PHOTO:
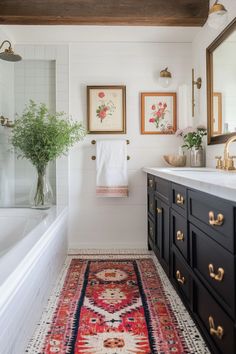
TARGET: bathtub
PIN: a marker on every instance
(33, 247)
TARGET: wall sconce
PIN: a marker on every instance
(165, 78)
(8, 53)
(217, 15)
(198, 83)
(5, 122)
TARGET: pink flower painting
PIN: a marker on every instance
(158, 116)
(105, 108)
(158, 112)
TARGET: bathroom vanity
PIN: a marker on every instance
(191, 229)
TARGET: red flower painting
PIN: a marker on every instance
(158, 116)
(105, 108)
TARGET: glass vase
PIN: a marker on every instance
(197, 158)
(41, 196)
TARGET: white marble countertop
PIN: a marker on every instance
(216, 182)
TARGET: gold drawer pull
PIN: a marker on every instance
(216, 222)
(220, 273)
(179, 278)
(179, 199)
(179, 236)
(150, 182)
(218, 332)
(159, 210)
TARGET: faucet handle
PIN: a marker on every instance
(219, 162)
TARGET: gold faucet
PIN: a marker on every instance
(6, 122)
(228, 161)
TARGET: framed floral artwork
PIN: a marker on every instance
(158, 113)
(106, 107)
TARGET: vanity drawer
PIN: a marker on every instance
(218, 327)
(150, 183)
(214, 216)
(163, 188)
(179, 198)
(181, 278)
(214, 266)
(179, 233)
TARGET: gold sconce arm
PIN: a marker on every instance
(6, 122)
(198, 83)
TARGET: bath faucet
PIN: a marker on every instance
(228, 161)
(6, 122)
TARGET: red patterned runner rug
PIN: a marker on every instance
(116, 306)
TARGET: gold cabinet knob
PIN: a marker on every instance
(179, 236)
(219, 162)
(218, 332)
(179, 277)
(179, 199)
(216, 276)
(159, 210)
(150, 183)
(218, 221)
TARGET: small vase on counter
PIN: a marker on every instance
(197, 157)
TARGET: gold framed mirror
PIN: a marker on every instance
(221, 86)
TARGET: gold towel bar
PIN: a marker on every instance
(94, 142)
(94, 157)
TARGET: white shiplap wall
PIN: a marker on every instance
(121, 222)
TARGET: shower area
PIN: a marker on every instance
(33, 243)
(21, 82)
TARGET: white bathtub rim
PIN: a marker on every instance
(11, 285)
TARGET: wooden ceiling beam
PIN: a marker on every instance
(104, 12)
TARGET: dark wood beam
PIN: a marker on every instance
(104, 12)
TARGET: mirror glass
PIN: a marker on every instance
(221, 86)
(224, 87)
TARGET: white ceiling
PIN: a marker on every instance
(69, 34)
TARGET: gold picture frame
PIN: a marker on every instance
(158, 113)
(106, 109)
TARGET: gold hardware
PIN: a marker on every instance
(179, 199)
(94, 157)
(217, 8)
(218, 332)
(219, 162)
(220, 273)
(198, 83)
(228, 161)
(179, 236)
(151, 205)
(179, 278)
(150, 182)
(159, 211)
(93, 142)
(6, 122)
(216, 222)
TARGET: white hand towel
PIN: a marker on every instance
(112, 176)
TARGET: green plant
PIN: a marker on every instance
(193, 138)
(41, 136)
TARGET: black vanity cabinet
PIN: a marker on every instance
(158, 219)
(193, 235)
